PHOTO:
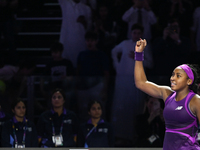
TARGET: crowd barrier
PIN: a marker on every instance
(86, 148)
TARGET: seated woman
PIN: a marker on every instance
(95, 132)
(57, 127)
(19, 132)
(150, 125)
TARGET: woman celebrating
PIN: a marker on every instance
(182, 105)
(96, 132)
(19, 132)
(58, 126)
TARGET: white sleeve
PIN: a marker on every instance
(115, 51)
(127, 15)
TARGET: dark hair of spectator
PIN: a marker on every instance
(15, 102)
(59, 90)
(94, 102)
(137, 26)
(91, 35)
(57, 47)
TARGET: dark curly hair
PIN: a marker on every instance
(195, 69)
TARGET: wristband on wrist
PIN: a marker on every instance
(139, 56)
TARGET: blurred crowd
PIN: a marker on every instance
(93, 60)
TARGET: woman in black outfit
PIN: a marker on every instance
(95, 132)
(19, 132)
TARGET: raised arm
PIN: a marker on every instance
(141, 81)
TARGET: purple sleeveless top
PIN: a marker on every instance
(181, 124)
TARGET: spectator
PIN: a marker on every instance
(170, 45)
(95, 132)
(16, 77)
(180, 9)
(57, 127)
(76, 21)
(58, 63)
(59, 68)
(7, 72)
(141, 13)
(19, 132)
(119, 7)
(127, 98)
(150, 125)
(93, 75)
(105, 26)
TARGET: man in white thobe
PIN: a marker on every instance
(128, 101)
(146, 17)
(76, 20)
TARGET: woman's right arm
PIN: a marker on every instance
(141, 81)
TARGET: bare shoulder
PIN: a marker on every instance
(166, 90)
(196, 98)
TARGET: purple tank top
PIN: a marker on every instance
(181, 124)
